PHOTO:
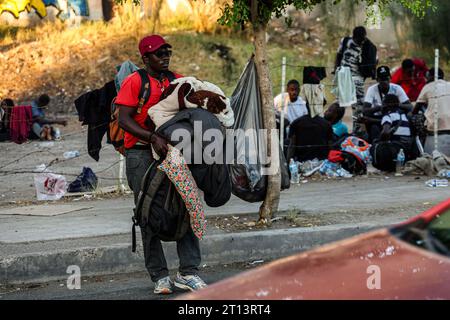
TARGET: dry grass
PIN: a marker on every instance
(66, 61)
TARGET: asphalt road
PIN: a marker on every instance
(136, 286)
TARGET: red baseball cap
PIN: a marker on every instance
(151, 44)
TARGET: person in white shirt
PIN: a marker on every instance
(373, 102)
(396, 126)
(293, 105)
(436, 94)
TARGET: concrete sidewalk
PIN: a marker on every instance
(97, 236)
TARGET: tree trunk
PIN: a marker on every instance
(270, 204)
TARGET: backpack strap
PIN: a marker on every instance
(381, 93)
(144, 93)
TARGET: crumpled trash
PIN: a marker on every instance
(331, 169)
(41, 168)
(86, 181)
(308, 168)
(47, 144)
(429, 165)
(49, 186)
(444, 173)
(71, 154)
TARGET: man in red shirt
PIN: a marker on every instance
(139, 137)
(411, 77)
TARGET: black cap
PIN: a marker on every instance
(383, 73)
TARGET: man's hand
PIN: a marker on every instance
(159, 144)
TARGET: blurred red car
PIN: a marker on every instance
(408, 261)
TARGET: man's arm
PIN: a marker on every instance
(386, 132)
(406, 106)
(127, 123)
(419, 106)
(369, 111)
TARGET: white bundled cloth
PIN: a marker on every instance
(199, 93)
(345, 90)
(166, 109)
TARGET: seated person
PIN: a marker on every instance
(334, 115)
(396, 126)
(5, 113)
(436, 94)
(294, 106)
(372, 108)
(309, 138)
(411, 77)
(42, 128)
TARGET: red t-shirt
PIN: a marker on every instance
(413, 86)
(128, 96)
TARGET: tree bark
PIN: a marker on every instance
(270, 204)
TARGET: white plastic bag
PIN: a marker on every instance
(49, 186)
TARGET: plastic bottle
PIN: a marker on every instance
(437, 183)
(329, 169)
(71, 154)
(57, 134)
(293, 168)
(400, 161)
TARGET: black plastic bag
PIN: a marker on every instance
(86, 181)
(248, 183)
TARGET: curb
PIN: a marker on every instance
(216, 249)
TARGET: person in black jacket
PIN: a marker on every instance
(310, 138)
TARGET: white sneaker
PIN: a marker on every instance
(163, 286)
(189, 282)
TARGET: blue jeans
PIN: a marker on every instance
(188, 247)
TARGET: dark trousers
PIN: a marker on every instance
(188, 247)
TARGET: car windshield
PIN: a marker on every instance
(439, 228)
(433, 236)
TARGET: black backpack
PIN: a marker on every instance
(353, 164)
(384, 155)
(160, 207)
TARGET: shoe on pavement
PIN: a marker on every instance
(189, 282)
(163, 286)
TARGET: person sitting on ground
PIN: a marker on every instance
(42, 128)
(372, 112)
(5, 112)
(411, 77)
(396, 125)
(294, 106)
(310, 138)
(334, 115)
(436, 94)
